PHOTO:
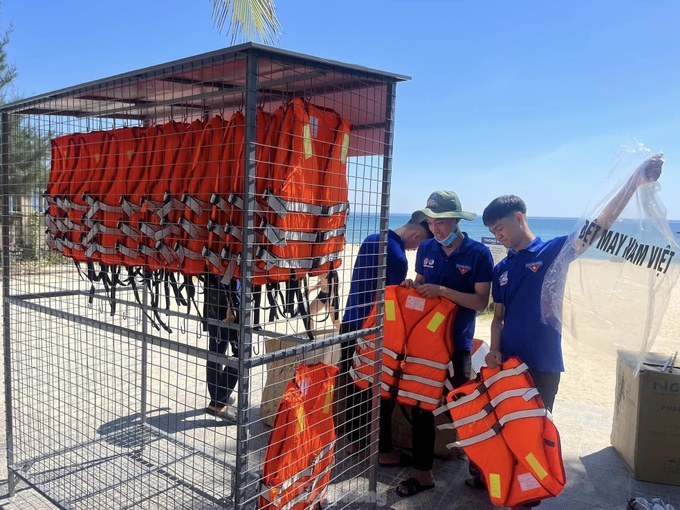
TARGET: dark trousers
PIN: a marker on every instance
(357, 404)
(422, 422)
(221, 378)
(547, 384)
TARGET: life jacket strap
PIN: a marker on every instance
(194, 231)
(418, 397)
(185, 253)
(54, 224)
(195, 204)
(74, 227)
(214, 227)
(128, 230)
(170, 203)
(151, 206)
(62, 203)
(166, 252)
(424, 380)
(149, 252)
(272, 261)
(428, 363)
(232, 230)
(213, 258)
(129, 208)
(127, 251)
(149, 229)
(167, 230)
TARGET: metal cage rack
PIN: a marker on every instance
(107, 359)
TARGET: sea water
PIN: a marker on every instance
(361, 225)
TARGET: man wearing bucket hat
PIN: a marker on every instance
(455, 267)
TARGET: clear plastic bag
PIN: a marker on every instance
(610, 286)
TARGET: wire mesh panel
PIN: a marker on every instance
(178, 250)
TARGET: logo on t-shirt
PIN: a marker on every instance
(534, 266)
(463, 269)
(428, 262)
(503, 279)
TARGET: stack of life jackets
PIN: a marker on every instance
(417, 348)
(171, 195)
(507, 432)
(300, 453)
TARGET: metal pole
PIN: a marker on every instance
(382, 272)
(7, 346)
(245, 322)
(145, 344)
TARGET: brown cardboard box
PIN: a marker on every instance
(646, 428)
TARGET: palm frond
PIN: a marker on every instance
(249, 20)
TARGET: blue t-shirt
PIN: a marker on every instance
(365, 275)
(471, 263)
(517, 283)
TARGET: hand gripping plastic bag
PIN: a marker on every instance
(611, 284)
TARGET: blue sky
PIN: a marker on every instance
(531, 98)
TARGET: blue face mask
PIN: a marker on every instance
(450, 239)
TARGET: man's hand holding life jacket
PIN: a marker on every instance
(409, 284)
(493, 359)
(430, 290)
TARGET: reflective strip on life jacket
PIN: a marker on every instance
(417, 348)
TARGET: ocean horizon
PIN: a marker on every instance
(361, 225)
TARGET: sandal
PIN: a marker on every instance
(412, 487)
(213, 411)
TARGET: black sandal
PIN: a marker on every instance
(412, 487)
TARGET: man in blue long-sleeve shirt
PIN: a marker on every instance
(359, 303)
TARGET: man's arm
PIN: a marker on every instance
(477, 300)
(649, 171)
(493, 358)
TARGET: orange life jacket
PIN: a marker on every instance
(300, 453)
(417, 348)
(508, 434)
(331, 147)
(208, 162)
(160, 165)
(89, 168)
(64, 156)
(169, 236)
(105, 211)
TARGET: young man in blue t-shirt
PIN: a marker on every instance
(517, 328)
(454, 267)
(359, 303)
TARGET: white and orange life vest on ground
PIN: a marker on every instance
(300, 453)
(417, 348)
(507, 432)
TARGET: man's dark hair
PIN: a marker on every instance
(422, 224)
(502, 207)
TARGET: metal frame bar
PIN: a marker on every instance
(246, 334)
(6, 330)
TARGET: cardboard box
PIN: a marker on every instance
(646, 428)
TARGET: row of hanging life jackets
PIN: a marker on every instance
(170, 196)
